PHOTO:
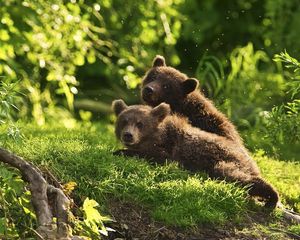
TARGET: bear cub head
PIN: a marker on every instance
(137, 122)
(165, 84)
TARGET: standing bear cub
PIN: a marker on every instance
(166, 84)
(155, 134)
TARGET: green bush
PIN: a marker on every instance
(9, 97)
(240, 86)
(53, 46)
(283, 122)
(42, 45)
(14, 203)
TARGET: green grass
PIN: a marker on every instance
(84, 154)
(285, 176)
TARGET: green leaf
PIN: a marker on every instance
(4, 36)
(93, 218)
(79, 59)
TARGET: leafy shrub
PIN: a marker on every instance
(8, 98)
(283, 122)
(16, 215)
(51, 45)
(277, 129)
(240, 86)
(247, 92)
(42, 45)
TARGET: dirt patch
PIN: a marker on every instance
(134, 222)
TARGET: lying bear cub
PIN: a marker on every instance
(154, 134)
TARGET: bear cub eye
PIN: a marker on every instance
(166, 86)
(140, 125)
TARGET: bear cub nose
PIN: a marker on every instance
(127, 137)
(147, 91)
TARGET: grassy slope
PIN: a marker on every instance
(285, 176)
(84, 155)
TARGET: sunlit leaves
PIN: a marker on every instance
(48, 40)
(283, 122)
(8, 97)
(93, 219)
(4, 35)
(69, 187)
(15, 208)
(239, 85)
(17, 218)
(289, 61)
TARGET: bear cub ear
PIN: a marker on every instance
(118, 106)
(189, 85)
(161, 111)
(159, 61)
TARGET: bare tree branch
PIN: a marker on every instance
(289, 215)
(47, 200)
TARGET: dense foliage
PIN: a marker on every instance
(95, 49)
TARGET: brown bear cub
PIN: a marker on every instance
(166, 84)
(155, 134)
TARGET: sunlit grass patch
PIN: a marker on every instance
(173, 196)
(295, 229)
(194, 201)
(285, 176)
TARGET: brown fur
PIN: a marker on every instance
(164, 136)
(166, 84)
